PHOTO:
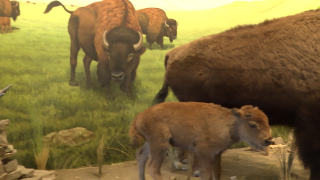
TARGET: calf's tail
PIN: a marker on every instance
(135, 137)
(163, 93)
(55, 4)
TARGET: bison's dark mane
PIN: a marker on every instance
(122, 34)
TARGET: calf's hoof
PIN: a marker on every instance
(73, 83)
(196, 173)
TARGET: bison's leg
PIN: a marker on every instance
(2, 30)
(10, 29)
(217, 166)
(104, 77)
(86, 63)
(159, 41)
(157, 156)
(308, 138)
(142, 155)
(74, 49)
(150, 40)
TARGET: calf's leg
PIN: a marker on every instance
(157, 154)
(142, 155)
(217, 166)
(206, 166)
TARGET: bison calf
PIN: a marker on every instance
(203, 128)
(5, 23)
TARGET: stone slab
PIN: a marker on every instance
(14, 175)
(11, 166)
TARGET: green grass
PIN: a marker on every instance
(35, 58)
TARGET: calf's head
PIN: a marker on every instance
(15, 10)
(124, 48)
(253, 126)
(170, 26)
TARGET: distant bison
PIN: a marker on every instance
(9, 9)
(113, 39)
(177, 124)
(155, 24)
(273, 65)
(5, 23)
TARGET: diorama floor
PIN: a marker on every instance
(243, 163)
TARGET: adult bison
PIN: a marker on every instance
(108, 32)
(155, 24)
(273, 65)
(9, 9)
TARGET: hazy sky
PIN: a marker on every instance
(167, 5)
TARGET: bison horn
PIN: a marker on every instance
(177, 23)
(165, 23)
(16, 4)
(104, 39)
(139, 44)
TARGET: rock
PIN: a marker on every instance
(8, 155)
(11, 166)
(14, 175)
(44, 174)
(173, 178)
(3, 124)
(26, 172)
(3, 139)
(4, 176)
(2, 151)
(278, 146)
(278, 140)
(9, 149)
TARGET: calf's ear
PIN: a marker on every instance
(236, 113)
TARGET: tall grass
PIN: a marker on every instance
(35, 58)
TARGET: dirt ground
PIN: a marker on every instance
(243, 163)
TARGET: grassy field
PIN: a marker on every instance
(35, 58)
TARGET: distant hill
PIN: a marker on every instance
(244, 12)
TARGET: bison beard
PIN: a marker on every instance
(273, 65)
(120, 41)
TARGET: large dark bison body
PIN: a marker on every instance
(155, 25)
(9, 9)
(274, 65)
(113, 39)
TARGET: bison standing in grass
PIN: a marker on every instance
(108, 32)
(274, 65)
(177, 124)
(155, 24)
(9, 9)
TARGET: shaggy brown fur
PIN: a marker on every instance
(274, 65)
(177, 124)
(9, 9)
(118, 52)
(153, 23)
(5, 23)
